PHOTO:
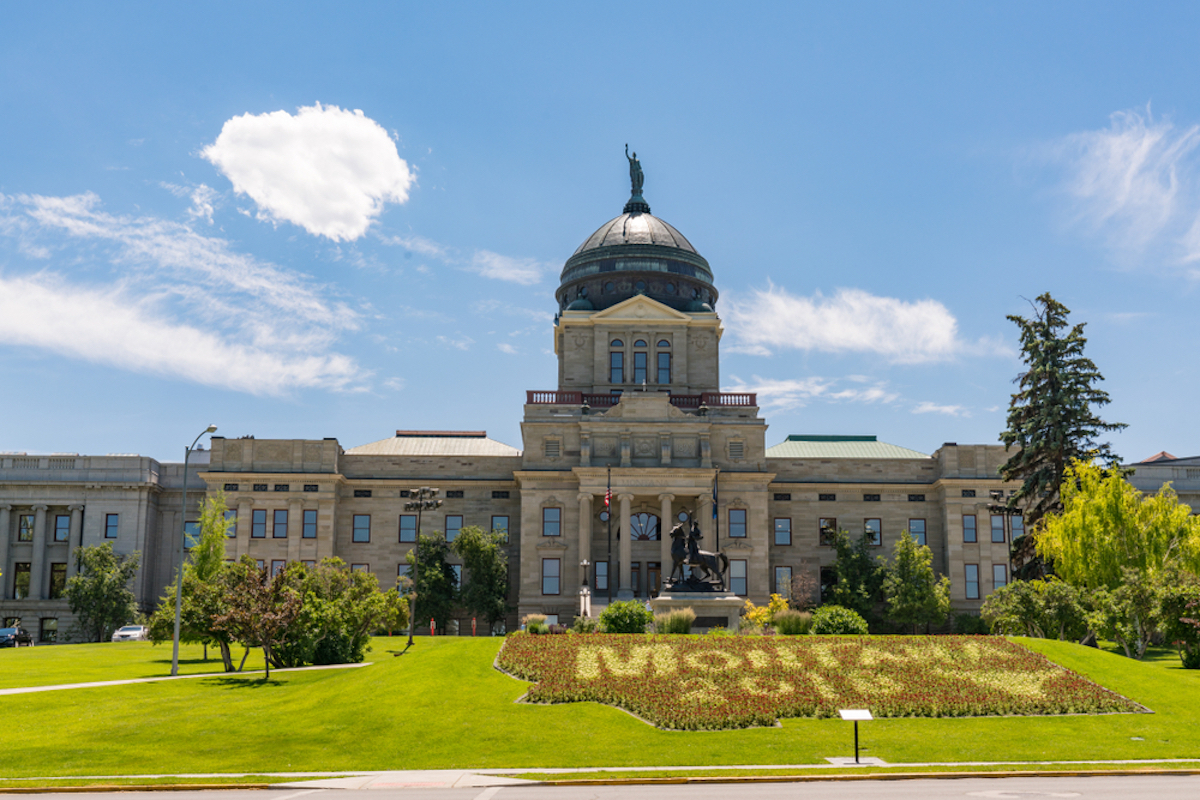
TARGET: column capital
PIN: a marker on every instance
(40, 507)
(626, 497)
(585, 497)
(666, 497)
(76, 507)
(6, 507)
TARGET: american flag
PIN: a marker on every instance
(608, 498)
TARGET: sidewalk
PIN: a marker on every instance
(60, 686)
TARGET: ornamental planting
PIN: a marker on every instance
(708, 683)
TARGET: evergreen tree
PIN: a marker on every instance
(1051, 420)
(915, 595)
(434, 586)
(485, 590)
(859, 575)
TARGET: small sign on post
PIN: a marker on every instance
(855, 714)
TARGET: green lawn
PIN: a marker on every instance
(443, 705)
(109, 661)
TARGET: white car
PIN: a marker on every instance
(131, 633)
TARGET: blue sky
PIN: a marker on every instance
(336, 220)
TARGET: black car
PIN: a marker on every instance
(15, 637)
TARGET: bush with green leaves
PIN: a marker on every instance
(1041, 609)
(585, 625)
(790, 622)
(968, 624)
(677, 620)
(626, 616)
(1179, 601)
(535, 624)
(833, 620)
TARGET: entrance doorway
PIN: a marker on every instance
(653, 577)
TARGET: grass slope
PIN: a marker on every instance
(109, 661)
(442, 705)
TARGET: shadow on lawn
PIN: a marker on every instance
(246, 682)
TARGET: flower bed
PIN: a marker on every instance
(708, 683)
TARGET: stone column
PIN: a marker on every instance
(585, 535)
(38, 561)
(245, 523)
(75, 539)
(704, 512)
(295, 528)
(625, 587)
(5, 534)
(664, 534)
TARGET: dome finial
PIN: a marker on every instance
(636, 203)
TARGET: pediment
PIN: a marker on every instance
(640, 307)
(645, 406)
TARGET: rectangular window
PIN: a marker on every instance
(968, 492)
(453, 526)
(737, 576)
(827, 528)
(457, 569)
(191, 534)
(916, 527)
(639, 368)
(1018, 526)
(783, 581)
(616, 367)
(999, 576)
(25, 528)
(360, 567)
(969, 532)
(260, 487)
(827, 498)
(916, 498)
(277, 566)
(112, 525)
(309, 529)
(664, 368)
(282, 487)
(408, 527)
(21, 575)
(828, 577)
(873, 529)
(258, 523)
(62, 527)
(870, 498)
(362, 528)
(49, 631)
(402, 575)
(259, 562)
(231, 523)
(997, 527)
(782, 497)
(500, 526)
(231, 487)
(972, 581)
(279, 524)
(310, 563)
(311, 487)
(362, 492)
(737, 523)
(58, 580)
(550, 574)
(499, 495)
(454, 494)
(783, 530)
(601, 576)
(551, 522)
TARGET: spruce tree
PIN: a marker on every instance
(1051, 419)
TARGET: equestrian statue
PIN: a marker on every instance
(687, 555)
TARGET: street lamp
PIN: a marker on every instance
(585, 593)
(422, 499)
(187, 453)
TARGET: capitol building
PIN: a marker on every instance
(636, 409)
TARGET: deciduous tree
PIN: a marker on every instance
(485, 589)
(260, 607)
(434, 583)
(915, 595)
(99, 595)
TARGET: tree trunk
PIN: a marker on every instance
(245, 655)
(226, 657)
(267, 661)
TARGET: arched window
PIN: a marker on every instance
(644, 528)
(640, 343)
(617, 343)
(663, 343)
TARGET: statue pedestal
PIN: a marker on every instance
(713, 609)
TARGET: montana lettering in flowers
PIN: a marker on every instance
(696, 683)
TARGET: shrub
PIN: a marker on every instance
(719, 631)
(557, 629)
(585, 625)
(968, 624)
(677, 620)
(626, 616)
(535, 624)
(837, 620)
(793, 623)
(763, 615)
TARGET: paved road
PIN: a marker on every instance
(1158, 787)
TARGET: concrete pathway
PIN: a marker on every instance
(60, 686)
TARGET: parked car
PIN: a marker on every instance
(131, 633)
(15, 637)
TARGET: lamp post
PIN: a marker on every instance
(187, 454)
(585, 593)
(422, 499)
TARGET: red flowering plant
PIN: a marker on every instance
(703, 683)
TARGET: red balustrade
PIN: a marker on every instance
(742, 399)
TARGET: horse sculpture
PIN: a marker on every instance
(686, 552)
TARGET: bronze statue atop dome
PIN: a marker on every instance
(636, 176)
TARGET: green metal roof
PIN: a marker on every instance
(819, 446)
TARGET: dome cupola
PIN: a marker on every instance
(636, 253)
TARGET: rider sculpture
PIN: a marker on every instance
(687, 556)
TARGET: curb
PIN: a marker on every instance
(133, 787)
(870, 776)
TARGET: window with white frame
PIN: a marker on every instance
(737, 576)
(551, 572)
(972, 581)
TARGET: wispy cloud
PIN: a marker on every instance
(326, 169)
(178, 293)
(851, 321)
(485, 263)
(1134, 185)
(927, 407)
(784, 394)
(459, 342)
(504, 347)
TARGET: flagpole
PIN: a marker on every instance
(716, 514)
(608, 508)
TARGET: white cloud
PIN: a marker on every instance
(927, 407)
(525, 271)
(460, 343)
(417, 244)
(851, 321)
(178, 292)
(1134, 185)
(781, 395)
(504, 347)
(325, 169)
